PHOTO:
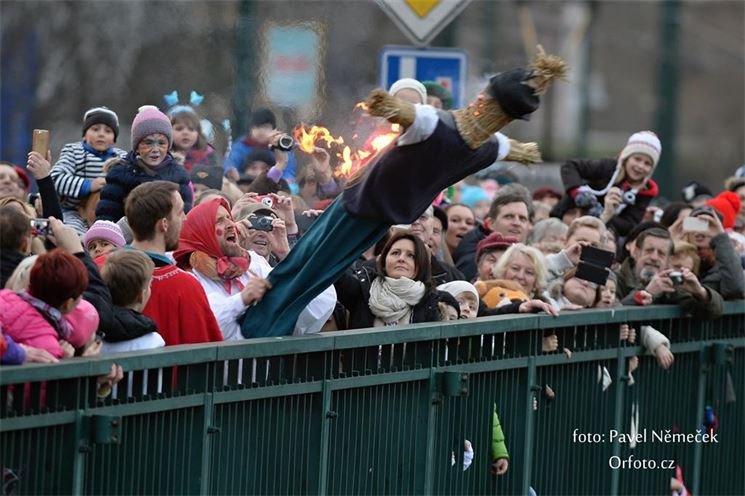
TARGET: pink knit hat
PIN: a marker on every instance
(107, 230)
(84, 322)
(150, 120)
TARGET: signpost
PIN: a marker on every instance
(422, 20)
(446, 66)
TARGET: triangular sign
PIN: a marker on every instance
(422, 20)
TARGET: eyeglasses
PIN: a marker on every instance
(152, 143)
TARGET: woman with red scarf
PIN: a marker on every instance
(232, 277)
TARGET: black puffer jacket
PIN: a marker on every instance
(353, 291)
(127, 324)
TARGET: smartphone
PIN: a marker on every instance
(694, 224)
(40, 142)
(40, 227)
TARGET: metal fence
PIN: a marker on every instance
(389, 411)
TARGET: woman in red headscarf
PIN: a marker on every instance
(232, 277)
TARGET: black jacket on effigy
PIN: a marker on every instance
(445, 158)
(128, 324)
(353, 291)
(465, 253)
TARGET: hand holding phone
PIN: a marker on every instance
(694, 224)
(40, 142)
(40, 227)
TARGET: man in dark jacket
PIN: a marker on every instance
(510, 214)
(644, 278)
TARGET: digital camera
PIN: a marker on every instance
(261, 223)
(285, 143)
(39, 227)
(676, 278)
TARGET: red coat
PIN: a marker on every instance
(180, 308)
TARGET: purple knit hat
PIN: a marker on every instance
(150, 120)
(107, 230)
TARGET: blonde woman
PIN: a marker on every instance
(519, 284)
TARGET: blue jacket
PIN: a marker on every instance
(242, 148)
(127, 175)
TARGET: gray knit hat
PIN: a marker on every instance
(150, 120)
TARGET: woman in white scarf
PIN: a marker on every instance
(399, 293)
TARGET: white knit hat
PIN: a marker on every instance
(645, 142)
(457, 287)
(412, 84)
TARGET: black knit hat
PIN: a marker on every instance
(516, 99)
(101, 115)
(263, 116)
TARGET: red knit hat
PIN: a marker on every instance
(728, 204)
(494, 241)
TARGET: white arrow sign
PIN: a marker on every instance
(422, 20)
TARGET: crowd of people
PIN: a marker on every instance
(171, 243)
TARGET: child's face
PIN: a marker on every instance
(682, 261)
(638, 166)
(98, 247)
(153, 149)
(262, 133)
(184, 136)
(607, 295)
(580, 292)
(100, 137)
(447, 312)
(469, 305)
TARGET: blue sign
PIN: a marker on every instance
(446, 66)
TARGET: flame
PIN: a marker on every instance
(350, 158)
(307, 138)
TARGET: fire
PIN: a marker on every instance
(307, 139)
(350, 158)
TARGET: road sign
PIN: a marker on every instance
(422, 20)
(446, 66)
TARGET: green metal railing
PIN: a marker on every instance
(387, 411)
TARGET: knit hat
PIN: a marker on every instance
(208, 175)
(150, 120)
(106, 230)
(694, 190)
(263, 116)
(457, 287)
(509, 95)
(494, 241)
(84, 321)
(123, 224)
(645, 142)
(410, 84)
(439, 91)
(728, 204)
(101, 115)
(471, 195)
(542, 193)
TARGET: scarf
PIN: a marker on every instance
(226, 270)
(198, 247)
(104, 155)
(391, 300)
(51, 314)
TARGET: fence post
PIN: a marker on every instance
(529, 426)
(618, 415)
(326, 418)
(433, 403)
(208, 431)
(703, 372)
(80, 451)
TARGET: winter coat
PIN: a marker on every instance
(25, 325)
(465, 253)
(628, 285)
(208, 157)
(127, 324)
(9, 260)
(353, 291)
(597, 174)
(128, 174)
(726, 275)
(97, 293)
